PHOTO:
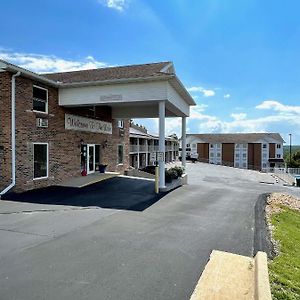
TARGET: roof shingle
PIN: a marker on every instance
(236, 137)
(110, 73)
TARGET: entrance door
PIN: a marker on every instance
(90, 159)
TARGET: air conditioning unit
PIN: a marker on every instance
(40, 122)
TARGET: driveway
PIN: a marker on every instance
(51, 251)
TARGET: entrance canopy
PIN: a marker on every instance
(131, 91)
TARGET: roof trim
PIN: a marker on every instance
(13, 68)
(115, 81)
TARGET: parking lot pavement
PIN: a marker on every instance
(76, 252)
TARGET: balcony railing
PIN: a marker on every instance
(151, 148)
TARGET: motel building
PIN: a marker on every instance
(257, 151)
(57, 126)
(142, 144)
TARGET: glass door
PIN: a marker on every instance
(90, 159)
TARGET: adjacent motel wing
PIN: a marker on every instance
(258, 151)
(60, 125)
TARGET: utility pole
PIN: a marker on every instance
(290, 149)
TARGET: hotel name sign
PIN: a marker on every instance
(73, 122)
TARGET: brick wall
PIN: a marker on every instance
(64, 145)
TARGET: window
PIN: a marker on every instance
(264, 146)
(211, 145)
(244, 155)
(245, 146)
(40, 160)
(218, 154)
(244, 165)
(120, 124)
(188, 145)
(237, 155)
(120, 154)
(194, 145)
(211, 154)
(237, 165)
(278, 155)
(265, 155)
(278, 146)
(40, 99)
(264, 165)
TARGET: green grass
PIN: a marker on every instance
(284, 270)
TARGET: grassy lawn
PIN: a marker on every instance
(285, 269)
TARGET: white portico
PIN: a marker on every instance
(138, 91)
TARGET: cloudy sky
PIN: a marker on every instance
(240, 60)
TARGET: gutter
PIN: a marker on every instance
(13, 133)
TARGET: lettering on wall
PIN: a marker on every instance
(73, 122)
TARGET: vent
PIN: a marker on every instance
(43, 123)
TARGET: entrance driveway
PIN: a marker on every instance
(80, 252)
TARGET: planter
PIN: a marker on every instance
(102, 168)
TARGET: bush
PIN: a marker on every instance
(173, 173)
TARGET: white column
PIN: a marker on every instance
(162, 142)
(147, 151)
(183, 141)
(138, 153)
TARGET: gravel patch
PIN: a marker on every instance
(274, 203)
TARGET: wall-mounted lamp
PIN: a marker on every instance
(81, 143)
(104, 144)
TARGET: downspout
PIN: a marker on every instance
(13, 134)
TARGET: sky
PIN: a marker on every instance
(240, 60)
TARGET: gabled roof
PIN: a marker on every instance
(237, 137)
(113, 73)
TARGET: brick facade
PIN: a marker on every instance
(64, 145)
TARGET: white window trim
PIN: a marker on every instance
(38, 111)
(45, 177)
(121, 122)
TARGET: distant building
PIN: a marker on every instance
(142, 144)
(257, 151)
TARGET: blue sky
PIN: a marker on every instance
(239, 59)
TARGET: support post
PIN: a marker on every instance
(162, 115)
(183, 142)
(138, 153)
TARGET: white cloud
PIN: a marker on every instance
(118, 5)
(199, 89)
(239, 116)
(277, 106)
(49, 63)
(227, 96)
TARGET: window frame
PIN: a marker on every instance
(41, 100)
(120, 124)
(47, 175)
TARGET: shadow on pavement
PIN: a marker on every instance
(114, 193)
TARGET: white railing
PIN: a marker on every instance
(150, 148)
(133, 148)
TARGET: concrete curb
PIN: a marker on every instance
(232, 276)
(262, 283)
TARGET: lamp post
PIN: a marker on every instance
(290, 150)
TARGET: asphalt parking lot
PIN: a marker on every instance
(80, 250)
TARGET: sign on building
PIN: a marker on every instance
(73, 122)
(153, 157)
(160, 156)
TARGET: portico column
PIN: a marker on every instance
(162, 147)
(138, 153)
(183, 141)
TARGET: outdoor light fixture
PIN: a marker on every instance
(104, 144)
(81, 143)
